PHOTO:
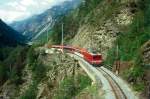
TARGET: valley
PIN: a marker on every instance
(78, 49)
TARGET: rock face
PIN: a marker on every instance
(58, 67)
(27, 78)
(146, 53)
(61, 67)
(103, 33)
(145, 50)
(8, 90)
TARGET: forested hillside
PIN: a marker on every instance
(12, 55)
(117, 29)
(8, 36)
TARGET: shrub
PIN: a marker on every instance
(12, 76)
(3, 75)
(39, 71)
(139, 86)
(11, 66)
(71, 86)
(31, 56)
(83, 81)
(31, 93)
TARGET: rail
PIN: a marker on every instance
(119, 94)
(113, 86)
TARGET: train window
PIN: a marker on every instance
(93, 51)
(97, 57)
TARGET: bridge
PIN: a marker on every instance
(113, 86)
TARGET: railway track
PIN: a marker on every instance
(118, 92)
(113, 86)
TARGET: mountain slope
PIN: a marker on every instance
(117, 29)
(33, 27)
(8, 36)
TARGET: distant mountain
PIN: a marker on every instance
(8, 36)
(35, 26)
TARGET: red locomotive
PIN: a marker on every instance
(94, 59)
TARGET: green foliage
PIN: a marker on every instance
(71, 86)
(93, 89)
(39, 71)
(130, 41)
(2, 73)
(42, 39)
(5, 52)
(31, 93)
(145, 7)
(110, 59)
(72, 21)
(13, 76)
(83, 81)
(12, 64)
(56, 35)
(67, 89)
(32, 57)
(137, 72)
(139, 86)
(88, 6)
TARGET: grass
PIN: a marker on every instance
(70, 86)
(31, 93)
(139, 86)
(90, 92)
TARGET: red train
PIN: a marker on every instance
(94, 59)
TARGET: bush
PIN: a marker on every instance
(70, 87)
(137, 72)
(12, 65)
(13, 76)
(39, 71)
(139, 86)
(67, 89)
(83, 81)
(5, 52)
(130, 41)
(3, 75)
(31, 93)
(31, 57)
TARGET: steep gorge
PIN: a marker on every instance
(116, 29)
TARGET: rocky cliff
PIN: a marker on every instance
(99, 32)
(117, 29)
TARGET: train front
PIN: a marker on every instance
(92, 57)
